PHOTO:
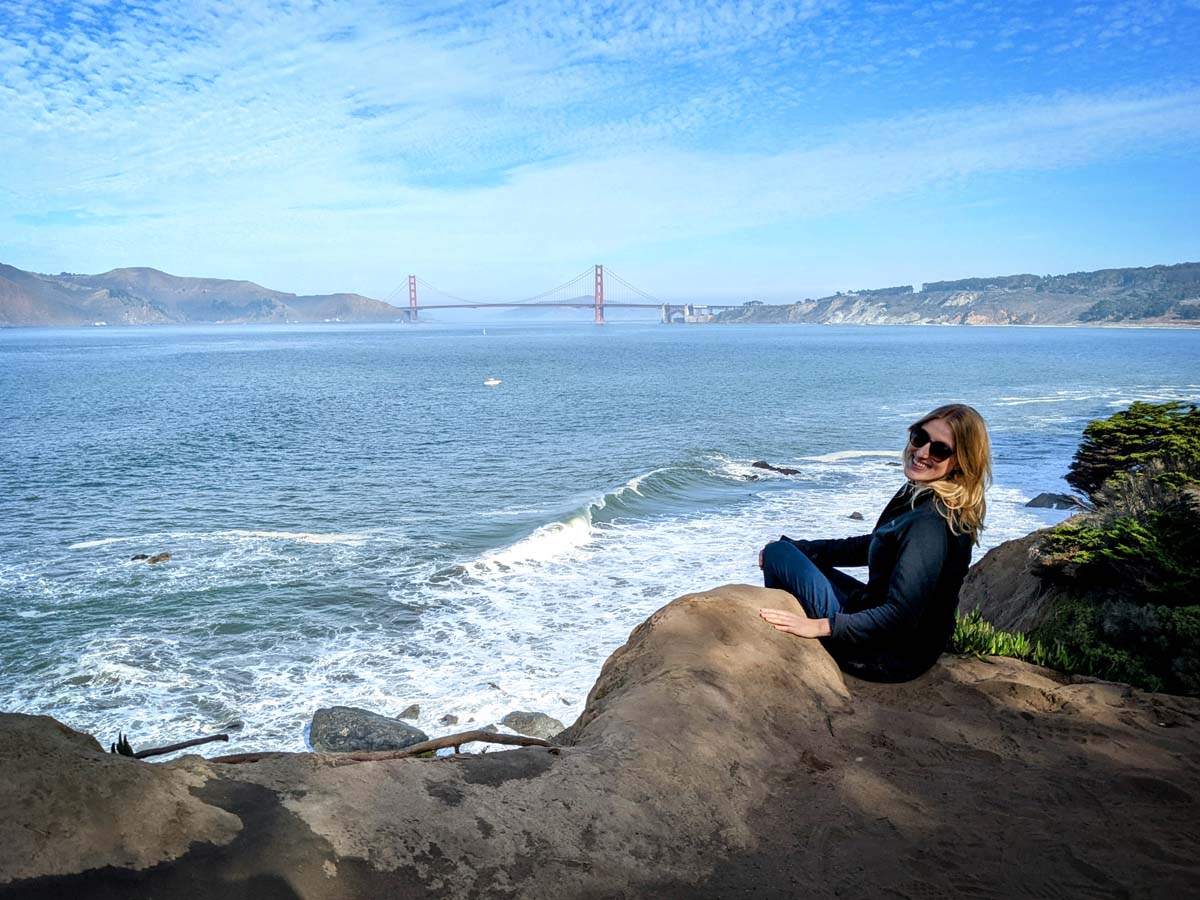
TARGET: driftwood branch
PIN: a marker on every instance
(171, 748)
(250, 757)
(449, 740)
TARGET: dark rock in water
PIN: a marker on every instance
(493, 686)
(856, 516)
(157, 558)
(534, 724)
(138, 557)
(782, 470)
(341, 729)
(448, 719)
(412, 711)
(1056, 501)
(896, 464)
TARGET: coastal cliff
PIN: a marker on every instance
(715, 757)
(1155, 295)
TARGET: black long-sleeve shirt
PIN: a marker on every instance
(896, 625)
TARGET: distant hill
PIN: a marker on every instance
(140, 296)
(1157, 295)
(150, 297)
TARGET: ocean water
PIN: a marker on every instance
(355, 518)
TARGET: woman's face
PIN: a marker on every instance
(920, 464)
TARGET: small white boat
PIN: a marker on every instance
(491, 382)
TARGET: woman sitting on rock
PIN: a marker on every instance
(894, 627)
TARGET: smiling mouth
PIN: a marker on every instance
(918, 464)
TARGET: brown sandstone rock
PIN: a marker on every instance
(1008, 587)
(67, 806)
(715, 757)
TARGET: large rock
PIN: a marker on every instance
(782, 470)
(534, 724)
(67, 806)
(342, 729)
(1008, 587)
(1056, 501)
(715, 757)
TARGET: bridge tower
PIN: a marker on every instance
(599, 295)
(412, 298)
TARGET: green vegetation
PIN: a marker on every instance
(977, 637)
(1152, 647)
(1122, 294)
(1124, 445)
(1124, 309)
(1150, 555)
(1128, 574)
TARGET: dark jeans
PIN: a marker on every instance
(822, 592)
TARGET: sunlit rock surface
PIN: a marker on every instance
(715, 758)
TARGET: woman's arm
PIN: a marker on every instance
(795, 623)
(851, 551)
(920, 556)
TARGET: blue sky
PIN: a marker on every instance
(710, 150)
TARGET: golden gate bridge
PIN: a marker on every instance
(593, 288)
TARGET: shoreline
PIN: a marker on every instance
(1177, 325)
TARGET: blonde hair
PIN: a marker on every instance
(960, 495)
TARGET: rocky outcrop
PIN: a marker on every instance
(70, 807)
(715, 757)
(1056, 501)
(342, 729)
(782, 470)
(1008, 585)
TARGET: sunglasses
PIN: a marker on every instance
(919, 437)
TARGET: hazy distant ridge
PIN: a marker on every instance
(1153, 295)
(141, 296)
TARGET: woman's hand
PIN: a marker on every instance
(795, 623)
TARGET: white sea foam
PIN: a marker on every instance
(300, 536)
(1112, 397)
(87, 545)
(724, 466)
(549, 542)
(851, 454)
(635, 483)
(304, 537)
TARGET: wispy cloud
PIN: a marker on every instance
(77, 218)
(253, 127)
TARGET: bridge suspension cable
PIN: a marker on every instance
(583, 278)
(425, 284)
(609, 273)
